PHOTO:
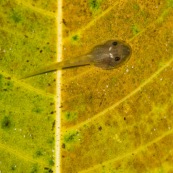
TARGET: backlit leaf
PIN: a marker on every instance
(118, 120)
(112, 120)
(27, 107)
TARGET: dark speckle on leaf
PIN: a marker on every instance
(9, 78)
(64, 22)
(53, 125)
(52, 112)
(63, 145)
(13, 167)
(6, 123)
(48, 169)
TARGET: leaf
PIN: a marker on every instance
(118, 120)
(27, 107)
(112, 121)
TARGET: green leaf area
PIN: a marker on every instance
(27, 107)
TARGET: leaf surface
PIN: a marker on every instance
(112, 121)
(118, 120)
(27, 107)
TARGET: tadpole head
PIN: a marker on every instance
(112, 54)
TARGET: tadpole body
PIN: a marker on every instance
(109, 55)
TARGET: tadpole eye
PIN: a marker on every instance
(117, 58)
(114, 43)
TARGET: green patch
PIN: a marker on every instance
(136, 7)
(34, 169)
(38, 153)
(37, 110)
(71, 137)
(163, 16)
(16, 16)
(135, 29)
(6, 123)
(70, 116)
(95, 5)
(51, 162)
(25, 118)
(113, 81)
(170, 3)
(51, 140)
(75, 38)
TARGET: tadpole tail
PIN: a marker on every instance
(51, 68)
(83, 61)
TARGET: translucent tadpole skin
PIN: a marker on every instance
(109, 55)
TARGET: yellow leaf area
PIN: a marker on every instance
(27, 107)
(118, 120)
